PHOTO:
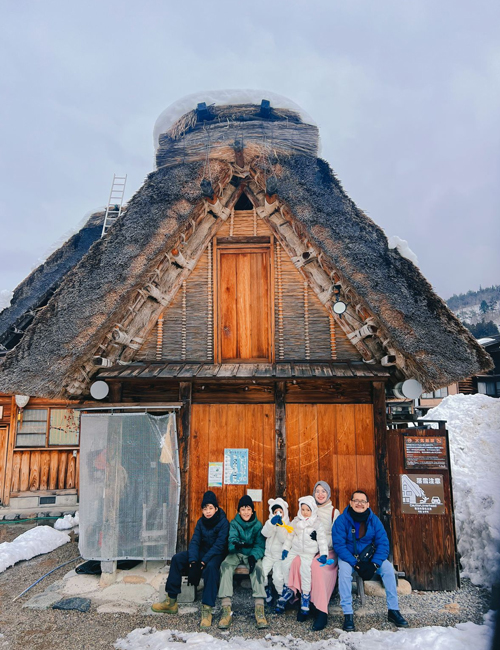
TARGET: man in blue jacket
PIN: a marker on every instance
(361, 543)
(207, 549)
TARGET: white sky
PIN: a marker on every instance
(406, 95)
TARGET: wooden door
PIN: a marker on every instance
(333, 443)
(244, 321)
(215, 427)
(4, 442)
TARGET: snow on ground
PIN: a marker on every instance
(67, 522)
(462, 637)
(473, 422)
(39, 540)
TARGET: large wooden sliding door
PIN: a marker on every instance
(334, 443)
(215, 427)
(244, 323)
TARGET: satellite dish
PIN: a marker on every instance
(411, 389)
(339, 307)
(99, 389)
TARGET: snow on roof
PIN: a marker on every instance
(485, 341)
(222, 98)
(403, 249)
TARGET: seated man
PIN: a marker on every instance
(360, 541)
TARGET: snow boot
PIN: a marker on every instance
(320, 622)
(301, 617)
(286, 595)
(394, 616)
(348, 623)
(269, 595)
(206, 617)
(260, 617)
(167, 606)
(226, 619)
(304, 603)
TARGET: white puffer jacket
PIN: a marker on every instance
(327, 515)
(300, 540)
(276, 535)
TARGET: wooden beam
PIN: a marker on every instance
(184, 437)
(382, 464)
(12, 432)
(280, 429)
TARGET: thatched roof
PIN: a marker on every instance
(34, 292)
(100, 291)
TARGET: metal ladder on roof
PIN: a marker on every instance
(115, 202)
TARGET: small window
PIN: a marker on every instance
(32, 429)
(64, 427)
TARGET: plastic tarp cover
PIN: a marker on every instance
(129, 486)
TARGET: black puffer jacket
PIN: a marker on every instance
(210, 540)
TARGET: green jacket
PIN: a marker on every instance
(247, 533)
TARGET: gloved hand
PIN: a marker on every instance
(322, 559)
(276, 520)
(238, 546)
(251, 563)
(366, 570)
(313, 536)
(194, 573)
(284, 553)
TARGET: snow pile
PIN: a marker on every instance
(403, 249)
(222, 98)
(67, 522)
(473, 422)
(39, 540)
(462, 637)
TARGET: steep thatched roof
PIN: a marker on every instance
(99, 291)
(34, 292)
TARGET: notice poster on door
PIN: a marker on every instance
(236, 466)
(215, 471)
(422, 494)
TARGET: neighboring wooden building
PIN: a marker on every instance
(243, 283)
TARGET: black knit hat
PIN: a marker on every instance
(246, 500)
(276, 507)
(209, 498)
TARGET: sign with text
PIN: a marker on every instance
(236, 466)
(422, 494)
(428, 451)
(215, 473)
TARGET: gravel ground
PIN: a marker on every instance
(49, 629)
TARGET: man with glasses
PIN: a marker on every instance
(360, 541)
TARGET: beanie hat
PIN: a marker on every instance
(275, 507)
(209, 498)
(325, 487)
(246, 500)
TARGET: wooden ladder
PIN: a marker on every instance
(115, 202)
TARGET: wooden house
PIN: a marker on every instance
(242, 284)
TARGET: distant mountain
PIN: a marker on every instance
(476, 309)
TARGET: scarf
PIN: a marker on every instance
(212, 522)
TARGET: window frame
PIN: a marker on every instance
(47, 445)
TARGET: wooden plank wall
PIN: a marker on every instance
(44, 470)
(333, 443)
(215, 427)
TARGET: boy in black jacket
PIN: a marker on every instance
(206, 550)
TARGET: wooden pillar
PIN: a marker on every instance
(280, 429)
(185, 392)
(115, 392)
(10, 451)
(380, 426)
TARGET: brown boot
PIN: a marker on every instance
(260, 618)
(226, 619)
(167, 606)
(206, 617)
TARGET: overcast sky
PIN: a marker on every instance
(406, 95)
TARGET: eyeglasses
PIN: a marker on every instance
(358, 502)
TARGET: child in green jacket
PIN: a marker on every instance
(246, 546)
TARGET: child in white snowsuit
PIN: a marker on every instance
(275, 535)
(308, 539)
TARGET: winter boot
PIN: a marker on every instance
(269, 595)
(260, 617)
(301, 617)
(348, 623)
(394, 616)
(206, 617)
(226, 619)
(320, 622)
(286, 595)
(167, 606)
(304, 603)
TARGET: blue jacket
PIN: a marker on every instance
(343, 543)
(208, 542)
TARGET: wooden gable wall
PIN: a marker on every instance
(303, 329)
